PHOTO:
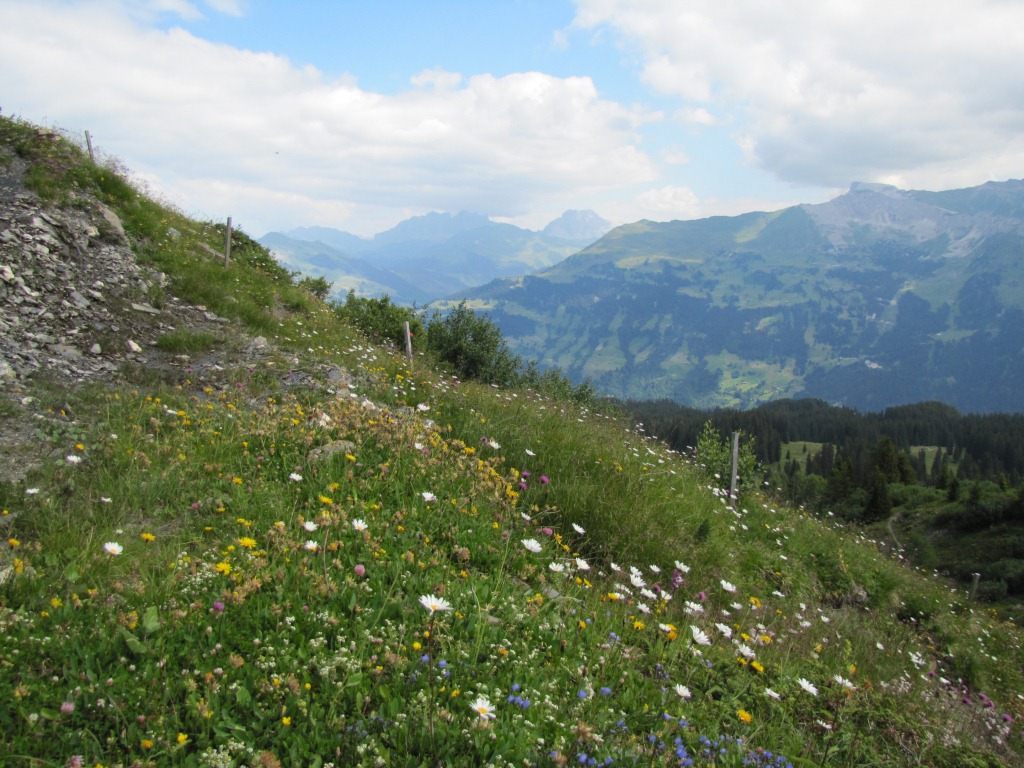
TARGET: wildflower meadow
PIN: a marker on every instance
(379, 564)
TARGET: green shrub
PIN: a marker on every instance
(318, 286)
(714, 456)
(473, 346)
(380, 319)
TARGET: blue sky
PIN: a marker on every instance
(357, 115)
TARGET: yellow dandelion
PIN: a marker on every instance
(223, 567)
(743, 715)
(147, 537)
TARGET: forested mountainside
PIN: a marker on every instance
(880, 297)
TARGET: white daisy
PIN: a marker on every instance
(113, 548)
(483, 708)
(433, 603)
(699, 637)
(807, 686)
(532, 544)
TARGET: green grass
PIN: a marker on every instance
(185, 341)
(250, 618)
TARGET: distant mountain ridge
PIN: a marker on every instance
(879, 297)
(431, 256)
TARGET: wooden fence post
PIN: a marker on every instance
(88, 143)
(734, 498)
(227, 243)
(408, 342)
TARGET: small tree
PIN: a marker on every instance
(473, 346)
(380, 319)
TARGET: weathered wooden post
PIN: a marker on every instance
(227, 243)
(408, 342)
(734, 498)
(88, 143)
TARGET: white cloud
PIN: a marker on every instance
(277, 145)
(670, 203)
(826, 93)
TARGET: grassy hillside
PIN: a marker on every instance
(321, 555)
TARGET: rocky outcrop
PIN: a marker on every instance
(74, 301)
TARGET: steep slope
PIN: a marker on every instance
(879, 297)
(310, 552)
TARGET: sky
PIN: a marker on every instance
(356, 114)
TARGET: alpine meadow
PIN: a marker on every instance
(241, 528)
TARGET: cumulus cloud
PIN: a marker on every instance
(258, 136)
(826, 93)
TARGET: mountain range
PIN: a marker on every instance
(432, 256)
(878, 297)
